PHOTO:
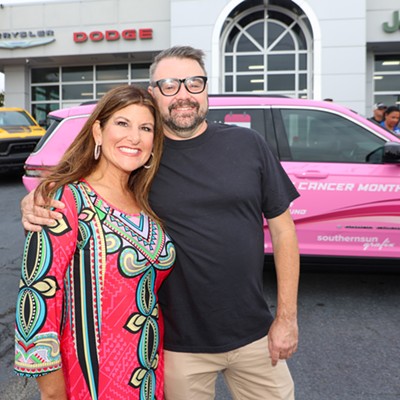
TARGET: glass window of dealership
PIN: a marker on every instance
(387, 79)
(58, 87)
(265, 49)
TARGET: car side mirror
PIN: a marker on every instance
(389, 153)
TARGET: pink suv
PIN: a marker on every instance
(346, 168)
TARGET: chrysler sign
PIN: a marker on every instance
(25, 39)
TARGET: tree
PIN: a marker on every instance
(1, 99)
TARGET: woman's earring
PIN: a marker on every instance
(149, 166)
(97, 150)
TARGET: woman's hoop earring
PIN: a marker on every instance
(149, 166)
(97, 150)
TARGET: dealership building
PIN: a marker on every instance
(61, 53)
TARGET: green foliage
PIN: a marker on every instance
(1, 99)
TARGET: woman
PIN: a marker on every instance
(391, 120)
(87, 319)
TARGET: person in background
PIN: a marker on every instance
(214, 185)
(391, 120)
(378, 113)
(87, 316)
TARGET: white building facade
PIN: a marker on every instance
(62, 53)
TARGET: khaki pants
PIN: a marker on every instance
(247, 372)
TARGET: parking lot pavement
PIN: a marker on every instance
(17, 388)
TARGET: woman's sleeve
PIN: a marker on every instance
(40, 302)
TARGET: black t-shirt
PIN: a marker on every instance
(211, 192)
(372, 119)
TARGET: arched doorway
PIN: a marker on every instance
(266, 47)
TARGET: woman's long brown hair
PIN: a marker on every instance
(78, 160)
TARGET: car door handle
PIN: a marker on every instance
(311, 175)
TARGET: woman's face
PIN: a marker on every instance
(126, 140)
(392, 119)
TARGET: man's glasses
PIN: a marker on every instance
(171, 86)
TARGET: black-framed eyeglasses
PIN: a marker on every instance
(171, 86)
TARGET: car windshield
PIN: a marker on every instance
(15, 118)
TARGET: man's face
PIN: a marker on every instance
(184, 113)
(379, 114)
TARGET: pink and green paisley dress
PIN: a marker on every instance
(87, 300)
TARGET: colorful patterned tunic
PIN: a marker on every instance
(88, 300)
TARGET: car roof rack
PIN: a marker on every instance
(87, 103)
(248, 95)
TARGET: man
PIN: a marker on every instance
(379, 113)
(214, 184)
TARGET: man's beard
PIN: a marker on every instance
(184, 125)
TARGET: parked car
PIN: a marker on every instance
(346, 168)
(19, 134)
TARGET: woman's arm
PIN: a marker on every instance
(40, 301)
(52, 386)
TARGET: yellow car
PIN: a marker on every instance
(19, 134)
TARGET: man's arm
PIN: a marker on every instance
(34, 215)
(283, 334)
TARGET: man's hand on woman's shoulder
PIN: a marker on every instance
(36, 215)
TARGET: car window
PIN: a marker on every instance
(53, 124)
(15, 118)
(248, 117)
(321, 136)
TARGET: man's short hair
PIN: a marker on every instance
(179, 52)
